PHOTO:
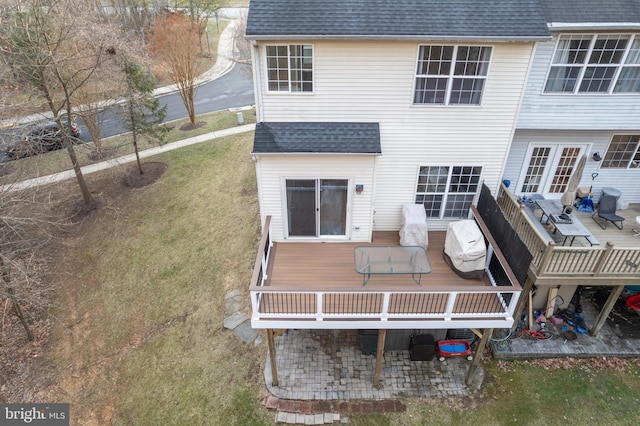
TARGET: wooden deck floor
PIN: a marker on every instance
(619, 237)
(330, 266)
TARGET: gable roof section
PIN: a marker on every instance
(397, 19)
(316, 138)
(591, 11)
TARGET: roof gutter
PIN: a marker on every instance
(494, 39)
(593, 26)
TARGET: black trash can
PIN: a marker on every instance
(422, 348)
(368, 341)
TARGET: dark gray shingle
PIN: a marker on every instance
(591, 11)
(397, 18)
(316, 138)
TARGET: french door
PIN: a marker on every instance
(548, 168)
(316, 207)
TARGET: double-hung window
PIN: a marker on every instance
(451, 75)
(589, 63)
(447, 192)
(623, 153)
(290, 68)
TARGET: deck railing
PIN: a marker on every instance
(357, 307)
(551, 261)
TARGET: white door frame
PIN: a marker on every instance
(550, 167)
(285, 216)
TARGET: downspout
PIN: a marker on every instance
(257, 78)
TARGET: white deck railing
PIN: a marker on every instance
(473, 307)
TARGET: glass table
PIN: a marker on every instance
(389, 260)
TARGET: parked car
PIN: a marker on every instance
(39, 139)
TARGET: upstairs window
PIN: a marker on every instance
(290, 68)
(451, 75)
(623, 153)
(447, 192)
(606, 63)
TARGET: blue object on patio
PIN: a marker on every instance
(607, 211)
(586, 205)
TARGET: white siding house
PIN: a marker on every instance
(374, 82)
(593, 108)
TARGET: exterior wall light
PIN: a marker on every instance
(597, 157)
(359, 189)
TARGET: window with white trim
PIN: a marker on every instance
(623, 153)
(590, 63)
(447, 192)
(290, 68)
(451, 75)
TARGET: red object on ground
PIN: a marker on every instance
(634, 302)
(453, 348)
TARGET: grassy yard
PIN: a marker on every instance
(58, 161)
(143, 283)
(139, 337)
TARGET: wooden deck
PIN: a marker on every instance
(327, 266)
(614, 262)
(315, 285)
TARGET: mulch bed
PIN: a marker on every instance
(152, 171)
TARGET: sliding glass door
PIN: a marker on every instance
(316, 207)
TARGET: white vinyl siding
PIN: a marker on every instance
(273, 171)
(625, 180)
(584, 111)
(374, 81)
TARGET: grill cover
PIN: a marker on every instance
(464, 249)
(413, 226)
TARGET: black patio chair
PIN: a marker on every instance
(607, 211)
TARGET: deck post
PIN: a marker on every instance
(526, 290)
(486, 334)
(272, 357)
(382, 335)
(606, 310)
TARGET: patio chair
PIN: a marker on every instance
(607, 211)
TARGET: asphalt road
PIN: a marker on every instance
(232, 90)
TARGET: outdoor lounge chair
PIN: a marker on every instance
(607, 211)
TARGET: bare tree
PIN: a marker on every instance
(50, 47)
(174, 41)
(200, 11)
(26, 226)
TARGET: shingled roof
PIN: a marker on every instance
(316, 138)
(378, 19)
(591, 11)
